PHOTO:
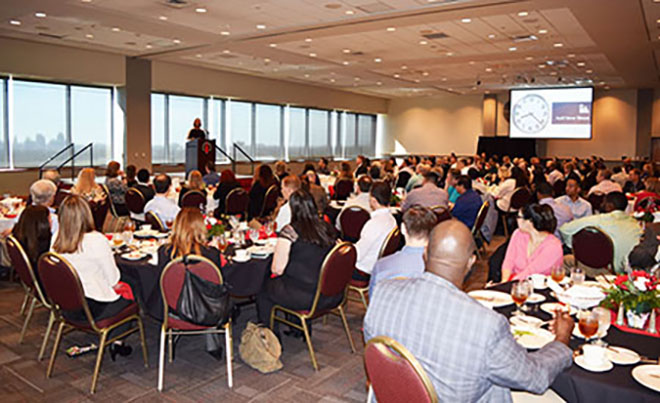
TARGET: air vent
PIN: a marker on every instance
(227, 56)
(436, 35)
(178, 4)
(52, 36)
(373, 8)
(357, 53)
(524, 38)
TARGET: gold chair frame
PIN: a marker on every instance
(476, 232)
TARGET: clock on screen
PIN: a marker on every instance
(531, 114)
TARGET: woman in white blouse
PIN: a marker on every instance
(509, 182)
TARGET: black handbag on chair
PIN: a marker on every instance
(203, 302)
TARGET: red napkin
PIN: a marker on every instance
(124, 290)
(223, 260)
(625, 328)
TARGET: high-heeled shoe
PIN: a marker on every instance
(123, 350)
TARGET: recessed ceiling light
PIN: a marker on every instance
(396, 76)
(425, 73)
(40, 15)
(488, 69)
(417, 81)
(471, 62)
(466, 20)
(312, 55)
(200, 10)
(306, 76)
(162, 18)
(444, 78)
(589, 71)
(570, 55)
(177, 41)
(332, 80)
(602, 83)
(404, 67)
(658, 20)
(558, 45)
(14, 22)
(513, 49)
(491, 36)
(450, 53)
(225, 33)
(350, 12)
(226, 51)
(199, 55)
(346, 51)
(261, 26)
(345, 63)
(607, 87)
(379, 83)
(543, 31)
(581, 64)
(553, 73)
(356, 78)
(266, 60)
(391, 29)
(115, 29)
(378, 60)
(523, 14)
(528, 58)
(273, 45)
(86, 1)
(149, 46)
(89, 36)
(422, 42)
(308, 40)
(541, 66)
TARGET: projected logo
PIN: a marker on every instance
(571, 113)
(531, 114)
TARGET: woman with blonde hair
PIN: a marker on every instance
(195, 182)
(87, 187)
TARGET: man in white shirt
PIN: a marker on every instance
(361, 198)
(290, 184)
(165, 208)
(42, 193)
(375, 231)
(555, 173)
(604, 183)
(578, 206)
(620, 175)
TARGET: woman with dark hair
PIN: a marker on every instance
(262, 181)
(227, 183)
(33, 233)
(116, 187)
(299, 253)
(533, 248)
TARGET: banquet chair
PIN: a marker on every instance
(112, 209)
(63, 287)
(343, 189)
(152, 219)
(520, 197)
(194, 198)
(237, 202)
(135, 201)
(476, 229)
(335, 274)
(351, 221)
(596, 201)
(99, 212)
(441, 213)
(402, 179)
(33, 292)
(594, 248)
(171, 283)
(60, 195)
(395, 374)
(361, 287)
(559, 187)
(270, 200)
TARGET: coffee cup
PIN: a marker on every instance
(145, 227)
(538, 280)
(242, 254)
(594, 355)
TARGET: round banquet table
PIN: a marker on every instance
(617, 385)
(245, 279)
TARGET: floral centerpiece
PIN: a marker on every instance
(395, 199)
(638, 293)
(645, 212)
(214, 228)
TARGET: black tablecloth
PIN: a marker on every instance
(245, 279)
(616, 385)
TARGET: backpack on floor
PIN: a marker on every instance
(260, 349)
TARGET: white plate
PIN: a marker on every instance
(133, 256)
(535, 298)
(532, 338)
(261, 241)
(525, 321)
(578, 334)
(622, 356)
(648, 375)
(491, 299)
(604, 367)
(551, 307)
(241, 260)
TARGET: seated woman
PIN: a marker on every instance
(87, 187)
(32, 231)
(195, 182)
(344, 172)
(263, 179)
(117, 187)
(649, 195)
(227, 183)
(533, 248)
(90, 254)
(299, 254)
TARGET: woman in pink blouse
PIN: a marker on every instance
(533, 248)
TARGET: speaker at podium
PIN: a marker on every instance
(198, 153)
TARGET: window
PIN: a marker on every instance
(91, 122)
(158, 143)
(297, 133)
(367, 134)
(241, 127)
(217, 123)
(182, 113)
(319, 133)
(39, 122)
(349, 135)
(4, 138)
(268, 126)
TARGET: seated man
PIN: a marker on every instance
(418, 178)
(143, 185)
(468, 203)
(42, 193)
(166, 209)
(578, 206)
(322, 166)
(604, 183)
(361, 198)
(375, 230)
(622, 228)
(635, 183)
(450, 184)
(290, 184)
(428, 195)
(562, 212)
(466, 349)
(210, 178)
(408, 262)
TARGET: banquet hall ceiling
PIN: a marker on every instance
(387, 48)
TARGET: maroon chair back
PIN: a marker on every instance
(343, 189)
(391, 244)
(395, 374)
(135, 201)
(152, 219)
(559, 187)
(171, 279)
(520, 198)
(337, 269)
(270, 200)
(351, 221)
(402, 179)
(20, 262)
(441, 214)
(481, 218)
(593, 247)
(60, 282)
(60, 195)
(193, 198)
(99, 211)
(237, 201)
(596, 201)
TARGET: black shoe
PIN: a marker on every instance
(123, 350)
(217, 353)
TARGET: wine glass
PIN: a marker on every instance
(270, 228)
(588, 323)
(577, 275)
(222, 243)
(520, 291)
(604, 322)
(234, 221)
(254, 234)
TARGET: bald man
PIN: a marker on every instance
(467, 350)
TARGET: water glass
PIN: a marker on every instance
(604, 322)
(254, 234)
(577, 275)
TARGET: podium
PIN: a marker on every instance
(198, 153)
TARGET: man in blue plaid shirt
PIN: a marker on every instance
(467, 350)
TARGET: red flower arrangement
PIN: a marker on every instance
(638, 291)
